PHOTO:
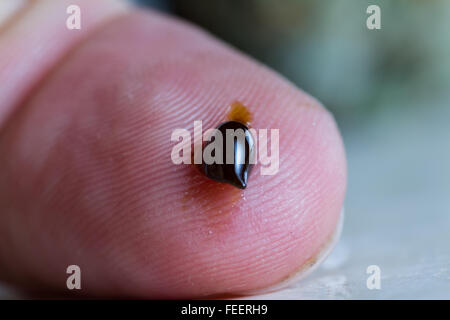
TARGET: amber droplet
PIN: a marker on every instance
(239, 112)
(237, 172)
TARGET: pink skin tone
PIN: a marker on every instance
(87, 177)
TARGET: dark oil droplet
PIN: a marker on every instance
(236, 171)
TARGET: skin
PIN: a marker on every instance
(85, 125)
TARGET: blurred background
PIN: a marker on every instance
(389, 90)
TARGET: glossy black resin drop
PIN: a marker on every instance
(237, 172)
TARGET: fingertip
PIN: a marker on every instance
(140, 224)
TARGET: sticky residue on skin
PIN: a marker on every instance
(204, 193)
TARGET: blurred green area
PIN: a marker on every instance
(325, 48)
